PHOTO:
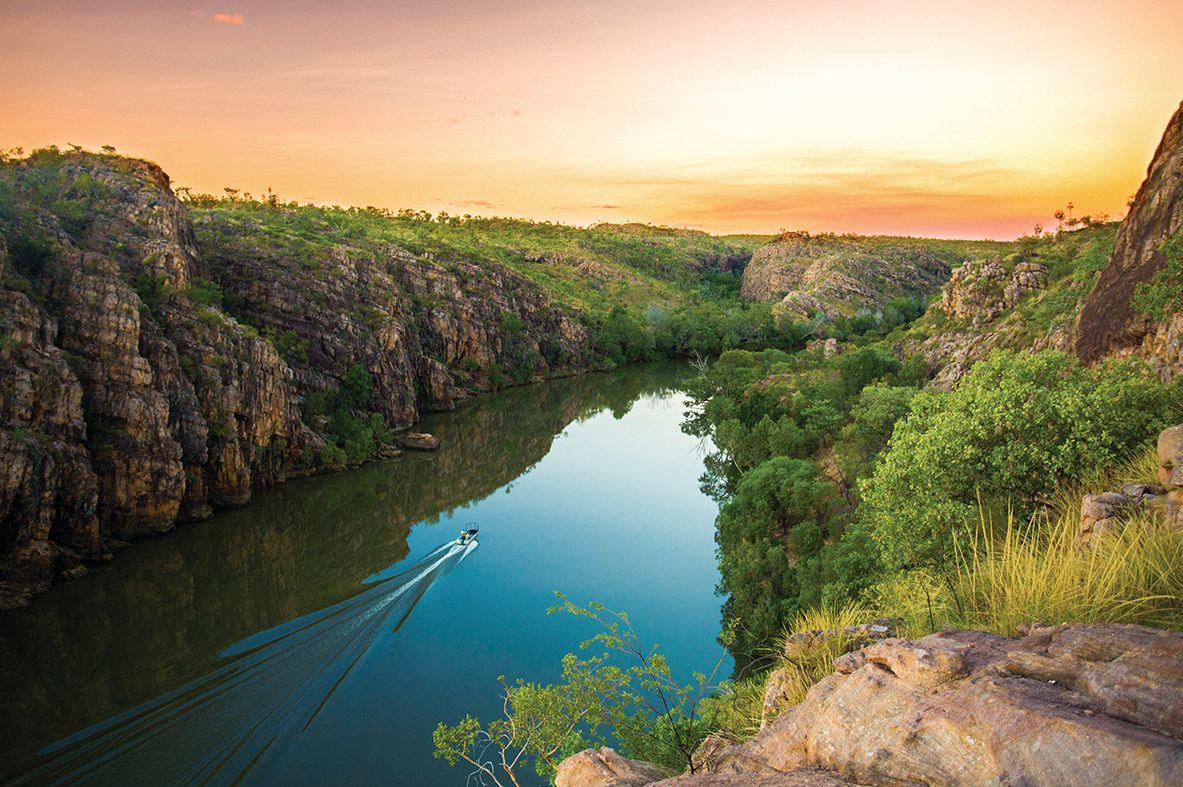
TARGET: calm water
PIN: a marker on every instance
(584, 485)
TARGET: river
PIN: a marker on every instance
(331, 620)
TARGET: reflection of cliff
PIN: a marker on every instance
(161, 612)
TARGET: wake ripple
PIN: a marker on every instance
(267, 691)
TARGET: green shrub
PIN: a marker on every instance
(1163, 294)
(203, 292)
(292, 347)
(872, 418)
(1016, 426)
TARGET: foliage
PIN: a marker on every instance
(736, 710)
(1162, 296)
(45, 179)
(292, 347)
(872, 418)
(641, 706)
(1015, 426)
(622, 338)
(769, 414)
(540, 724)
(353, 433)
(588, 270)
(203, 292)
(781, 502)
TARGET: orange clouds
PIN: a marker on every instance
(913, 117)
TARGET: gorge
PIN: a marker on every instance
(840, 435)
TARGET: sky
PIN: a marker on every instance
(952, 119)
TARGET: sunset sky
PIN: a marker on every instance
(972, 119)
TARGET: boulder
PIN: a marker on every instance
(603, 767)
(1070, 704)
(421, 441)
(1103, 513)
(1170, 473)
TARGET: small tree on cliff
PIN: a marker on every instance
(640, 707)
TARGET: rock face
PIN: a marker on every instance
(979, 291)
(1072, 704)
(140, 380)
(1170, 473)
(603, 767)
(1108, 323)
(835, 275)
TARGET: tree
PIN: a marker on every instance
(648, 712)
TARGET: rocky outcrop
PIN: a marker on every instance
(981, 290)
(1109, 511)
(837, 275)
(142, 376)
(1108, 322)
(421, 441)
(1170, 473)
(1070, 704)
(603, 767)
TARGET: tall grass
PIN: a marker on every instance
(1009, 576)
(734, 713)
(738, 712)
(803, 663)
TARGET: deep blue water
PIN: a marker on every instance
(585, 486)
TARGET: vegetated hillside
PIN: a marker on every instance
(1028, 299)
(160, 360)
(842, 275)
(585, 269)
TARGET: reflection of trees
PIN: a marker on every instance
(163, 610)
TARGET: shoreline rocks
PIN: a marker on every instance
(421, 441)
(1068, 704)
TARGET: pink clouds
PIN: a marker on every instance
(227, 19)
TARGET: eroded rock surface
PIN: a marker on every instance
(1070, 704)
(142, 378)
(603, 767)
(1170, 473)
(981, 290)
(835, 275)
(1108, 322)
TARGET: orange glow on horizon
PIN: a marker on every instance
(950, 119)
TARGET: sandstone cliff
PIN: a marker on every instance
(140, 380)
(1108, 322)
(836, 275)
(1080, 704)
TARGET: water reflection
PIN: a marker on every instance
(265, 692)
(161, 615)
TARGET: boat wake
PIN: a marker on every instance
(266, 692)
